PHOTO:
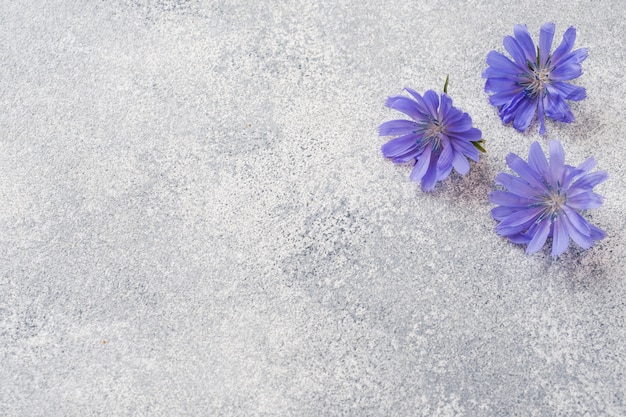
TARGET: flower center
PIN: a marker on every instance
(537, 80)
(554, 201)
(434, 129)
(431, 130)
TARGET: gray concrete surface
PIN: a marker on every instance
(196, 220)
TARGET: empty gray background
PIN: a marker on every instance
(195, 217)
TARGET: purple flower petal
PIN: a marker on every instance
(573, 173)
(421, 104)
(557, 109)
(501, 84)
(508, 111)
(506, 198)
(502, 64)
(409, 155)
(569, 37)
(537, 160)
(444, 106)
(500, 212)
(587, 165)
(588, 181)
(596, 234)
(525, 114)
(430, 177)
(525, 41)
(447, 154)
(582, 240)
(397, 127)
(515, 185)
(574, 58)
(398, 146)
(541, 115)
(460, 163)
(539, 237)
(442, 174)
(546, 34)
(566, 72)
(520, 166)
(506, 96)
(577, 221)
(567, 90)
(557, 161)
(421, 165)
(519, 221)
(453, 116)
(585, 201)
(466, 148)
(432, 102)
(406, 106)
(560, 237)
(513, 47)
(462, 125)
(521, 238)
(471, 135)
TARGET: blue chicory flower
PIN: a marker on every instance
(439, 137)
(545, 200)
(535, 81)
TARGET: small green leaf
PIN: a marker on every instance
(479, 145)
(445, 86)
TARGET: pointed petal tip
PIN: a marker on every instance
(427, 188)
(558, 250)
(530, 250)
(390, 100)
(542, 128)
(539, 237)
(511, 157)
(596, 233)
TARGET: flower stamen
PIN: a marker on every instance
(536, 81)
(431, 134)
(434, 129)
(554, 202)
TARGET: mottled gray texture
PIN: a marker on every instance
(195, 218)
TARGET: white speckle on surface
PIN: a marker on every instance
(195, 217)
